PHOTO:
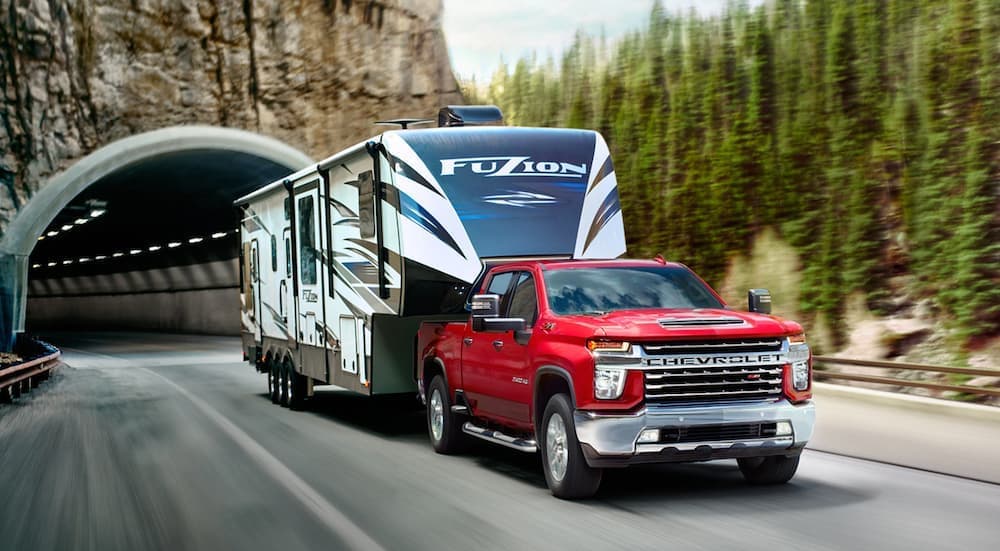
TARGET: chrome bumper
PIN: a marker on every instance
(612, 440)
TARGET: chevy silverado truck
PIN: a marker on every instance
(610, 363)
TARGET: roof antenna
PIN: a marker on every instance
(403, 123)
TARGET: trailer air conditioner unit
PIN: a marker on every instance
(470, 115)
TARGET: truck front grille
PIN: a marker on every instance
(700, 371)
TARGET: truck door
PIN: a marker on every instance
(310, 321)
(494, 365)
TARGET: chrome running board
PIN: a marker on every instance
(497, 437)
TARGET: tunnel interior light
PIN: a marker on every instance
(41, 237)
(100, 257)
(155, 248)
(52, 233)
(173, 244)
(117, 255)
(84, 259)
(65, 262)
(94, 213)
(67, 227)
(195, 240)
(36, 265)
(218, 235)
(81, 221)
(51, 264)
(135, 251)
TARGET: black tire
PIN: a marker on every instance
(579, 480)
(297, 388)
(776, 469)
(283, 382)
(274, 381)
(449, 439)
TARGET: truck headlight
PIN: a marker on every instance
(798, 356)
(609, 382)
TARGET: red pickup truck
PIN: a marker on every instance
(602, 364)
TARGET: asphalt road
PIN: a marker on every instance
(169, 442)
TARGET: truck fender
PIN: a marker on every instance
(551, 370)
(423, 376)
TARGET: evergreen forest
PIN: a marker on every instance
(866, 134)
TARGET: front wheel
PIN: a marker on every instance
(566, 470)
(443, 425)
(776, 469)
(274, 381)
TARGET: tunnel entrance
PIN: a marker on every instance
(141, 234)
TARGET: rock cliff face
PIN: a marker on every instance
(78, 74)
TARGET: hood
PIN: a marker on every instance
(668, 323)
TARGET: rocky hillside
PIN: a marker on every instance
(77, 74)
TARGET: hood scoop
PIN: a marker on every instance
(715, 321)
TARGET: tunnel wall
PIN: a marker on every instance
(199, 298)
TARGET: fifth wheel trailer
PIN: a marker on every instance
(342, 261)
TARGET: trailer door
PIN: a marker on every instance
(309, 271)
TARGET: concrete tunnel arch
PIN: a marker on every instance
(31, 221)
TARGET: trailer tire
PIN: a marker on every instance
(283, 382)
(566, 470)
(297, 384)
(274, 381)
(776, 469)
(443, 425)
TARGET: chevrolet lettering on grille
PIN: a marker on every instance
(748, 359)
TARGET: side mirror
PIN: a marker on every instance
(486, 315)
(759, 300)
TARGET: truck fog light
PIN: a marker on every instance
(649, 435)
(783, 428)
(609, 383)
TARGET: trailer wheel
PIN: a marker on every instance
(443, 425)
(566, 470)
(274, 381)
(283, 381)
(776, 469)
(297, 384)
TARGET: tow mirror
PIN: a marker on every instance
(759, 300)
(486, 315)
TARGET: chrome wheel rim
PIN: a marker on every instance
(556, 451)
(437, 415)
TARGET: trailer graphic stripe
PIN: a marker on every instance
(412, 210)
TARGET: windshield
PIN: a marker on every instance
(599, 290)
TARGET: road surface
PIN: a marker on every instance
(169, 442)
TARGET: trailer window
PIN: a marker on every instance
(307, 241)
(288, 256)
(274, 253)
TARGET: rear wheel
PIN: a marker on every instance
(283, 382)
(443, 424)
(297, 384)
(274, 381)
(566, 470)
(776, 469)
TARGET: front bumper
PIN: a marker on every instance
(611, 440)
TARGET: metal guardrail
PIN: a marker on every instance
(21, 378)
(983, 391)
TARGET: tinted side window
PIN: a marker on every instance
(274, 253)
(307, 241)
(523, 303)
(499, 285)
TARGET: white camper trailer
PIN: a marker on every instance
(342, 261)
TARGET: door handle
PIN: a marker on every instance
(498, 344)
(467, 341)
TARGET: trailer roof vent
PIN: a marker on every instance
(470, 115)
